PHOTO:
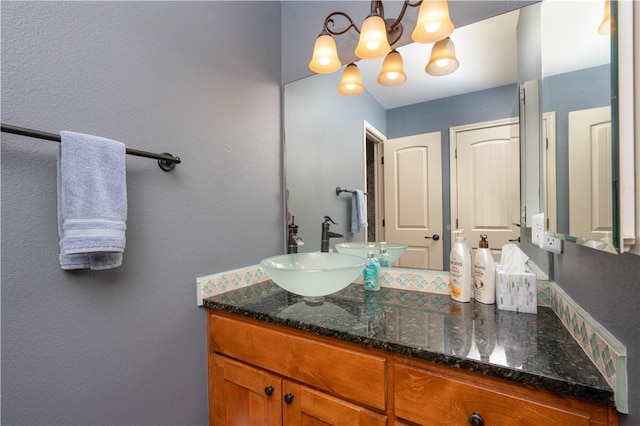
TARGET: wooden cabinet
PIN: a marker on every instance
(261, 374)
(434, 395)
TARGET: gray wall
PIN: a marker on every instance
(127, 346)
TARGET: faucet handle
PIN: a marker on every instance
(328, 219)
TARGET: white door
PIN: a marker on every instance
(413, 198)
(485, 182)
(590, 173)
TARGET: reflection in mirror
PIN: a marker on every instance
(327, 137)
(577, 119)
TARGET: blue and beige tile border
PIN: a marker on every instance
(604, 350)
(212, 285)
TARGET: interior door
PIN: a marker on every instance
(413, 198)
(485, 182)
(590, 214)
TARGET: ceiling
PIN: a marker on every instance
(488, 55)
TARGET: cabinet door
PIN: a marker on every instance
(307, 407)
(241, 395)
(432, 398)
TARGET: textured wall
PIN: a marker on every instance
(127, 346)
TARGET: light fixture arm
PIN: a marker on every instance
(407, 3)
(394, 27)
(329, 21)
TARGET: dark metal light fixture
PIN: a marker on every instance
(377, 35)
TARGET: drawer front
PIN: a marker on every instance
(342, 372)
(430, 398)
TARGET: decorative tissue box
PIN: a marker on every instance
(517, 291)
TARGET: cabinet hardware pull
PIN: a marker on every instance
(269, 390)
(434, 237)
(475, 419)
(288, 398)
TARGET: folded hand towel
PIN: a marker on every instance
(92, 201)
(358, 211)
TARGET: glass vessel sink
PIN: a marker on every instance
(395, 250)
(313, 274)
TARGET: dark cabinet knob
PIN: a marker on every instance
(434, 237)
(288, 398)
(269, 390)
(475, 419)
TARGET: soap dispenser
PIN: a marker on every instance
(383, 256)
(460, 268)
(371, 271)
(484, 273)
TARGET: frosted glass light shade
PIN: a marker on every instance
(443, 59)
(373, 41)
(433, 23)
(605, 26)
(325, 55)
(392, 72)
(351, 83)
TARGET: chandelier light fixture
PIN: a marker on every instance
(378, 35)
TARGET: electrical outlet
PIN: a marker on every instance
(537, 229)
(552, 244)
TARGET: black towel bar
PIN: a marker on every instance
(340, 190)
(166, 161)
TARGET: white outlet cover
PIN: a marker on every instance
(537, 229)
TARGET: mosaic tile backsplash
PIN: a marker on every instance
(604, 350)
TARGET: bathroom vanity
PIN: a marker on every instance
(394, 357)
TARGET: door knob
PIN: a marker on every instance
(269, 390)
(475, 419)
(288, 398)
(434, 237)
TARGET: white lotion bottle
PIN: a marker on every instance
(484, 273)
(460, 268)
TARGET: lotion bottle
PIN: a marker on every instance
(484, 273)
(460, 268)
(371, 272)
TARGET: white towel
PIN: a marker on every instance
(358, 211)
(92, 201)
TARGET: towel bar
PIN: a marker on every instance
(340, 190)
(166, 161)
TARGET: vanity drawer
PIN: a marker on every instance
(432, 397)
(339, 371)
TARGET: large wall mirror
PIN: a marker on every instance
(327, 136)
(579, 140)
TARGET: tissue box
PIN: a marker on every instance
(517, 291)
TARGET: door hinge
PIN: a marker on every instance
(456, 223)
(547, 143)
(381, 160)
(383, 222)
(547, 223)
(455, 153)
(522, 95)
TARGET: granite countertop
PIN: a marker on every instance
(525, 348)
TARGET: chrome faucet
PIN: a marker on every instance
(326, 234)
(295, 240)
